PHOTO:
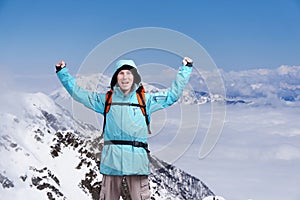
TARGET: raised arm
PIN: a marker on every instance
(92, 100)
(164, 99)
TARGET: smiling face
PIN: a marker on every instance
(125, 80)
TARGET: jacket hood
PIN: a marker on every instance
(125, 64)
(120, 63)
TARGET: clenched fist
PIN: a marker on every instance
(60, 64)
(187, 61)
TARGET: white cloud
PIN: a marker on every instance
(7, 83)
(258, 147)
(287, 152)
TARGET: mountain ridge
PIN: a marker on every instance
(51, 155)
(280, 86)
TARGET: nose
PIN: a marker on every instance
(125, 76)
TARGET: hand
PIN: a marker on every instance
(187, 61)
(60, 64)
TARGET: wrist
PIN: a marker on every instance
(60, 65)
(58, 68)
(189, 64)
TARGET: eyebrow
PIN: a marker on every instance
(125, 71)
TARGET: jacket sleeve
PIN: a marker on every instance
(166, 98)
(92, 100)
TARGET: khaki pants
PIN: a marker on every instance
(138, 186)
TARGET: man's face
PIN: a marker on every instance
(125, 80)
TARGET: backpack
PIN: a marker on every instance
(140, 94)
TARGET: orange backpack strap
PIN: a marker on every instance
(108, 100)
(140, 94)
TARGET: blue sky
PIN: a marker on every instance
(238, 35)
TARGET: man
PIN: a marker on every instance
(124, 155)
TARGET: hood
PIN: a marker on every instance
(125, 64)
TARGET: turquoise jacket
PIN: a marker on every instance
(125, 122)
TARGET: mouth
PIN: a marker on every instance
(125, 82)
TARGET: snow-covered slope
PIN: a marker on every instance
(46, 154)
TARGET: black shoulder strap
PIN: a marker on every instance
(108, 100)
(140, 93)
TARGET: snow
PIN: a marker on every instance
(25, 142)
(66, 175)
(28, 163)
(256, 156)
(214, 198)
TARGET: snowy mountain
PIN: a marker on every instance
(47, 154)
(265, 86)
(253, 87)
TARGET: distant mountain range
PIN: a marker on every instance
(253, 87)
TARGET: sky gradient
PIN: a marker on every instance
(237, 34)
